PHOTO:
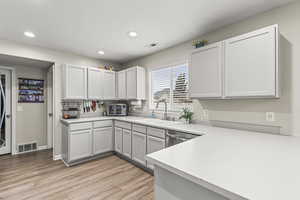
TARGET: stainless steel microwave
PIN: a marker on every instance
(117, 110)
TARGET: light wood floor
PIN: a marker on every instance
(37, 176)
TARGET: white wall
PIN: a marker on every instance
(31, 117)
(59, 58)
(287, 108)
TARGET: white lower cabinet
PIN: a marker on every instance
(85, 140)
(154, 144)
(118, 140)
(80, 144)
(103, 140)
(139, 147)
(127, 143)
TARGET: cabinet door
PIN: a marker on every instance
(127, 143)
(131, 83)
(251, 64)
(80, 144)
(109, 85)
(75, 82)
(95, 83)
(206, 72)
(154, 144)
(121, 80)
(139, 147)
(103, 140)
(118, 140)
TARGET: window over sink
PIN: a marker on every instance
(170, 83)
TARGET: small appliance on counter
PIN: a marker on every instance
(117, 110)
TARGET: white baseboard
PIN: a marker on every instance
(42, 147)
(57, 157)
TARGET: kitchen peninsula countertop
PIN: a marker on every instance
(234, 163)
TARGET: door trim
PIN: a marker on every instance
(55, 114)
(13, 107)
(50, 133)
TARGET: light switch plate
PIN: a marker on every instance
(270, 116)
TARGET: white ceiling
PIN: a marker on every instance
(86, 26)
(7, 60)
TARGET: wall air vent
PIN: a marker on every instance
(24, 148)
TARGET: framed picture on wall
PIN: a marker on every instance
(31, 90)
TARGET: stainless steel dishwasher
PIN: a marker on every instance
(176, 137)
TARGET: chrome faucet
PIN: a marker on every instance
(165, 115)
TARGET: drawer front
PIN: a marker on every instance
(139, 128)
(125, 125)
(80, 126)
(156, 132)
(101, 124)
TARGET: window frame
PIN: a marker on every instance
(151, 103)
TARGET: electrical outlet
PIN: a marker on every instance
(270, 116)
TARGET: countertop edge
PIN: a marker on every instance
(197, 180)
(193, 132)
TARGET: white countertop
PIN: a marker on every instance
(170, 125)
(236, 164)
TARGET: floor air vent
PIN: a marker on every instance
(23, 148)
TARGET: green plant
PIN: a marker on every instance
(187, 115)
(199, 43)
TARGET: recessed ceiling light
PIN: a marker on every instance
(29, 34)
(101, 52)
(132, 34)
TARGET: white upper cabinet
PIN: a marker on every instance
(251, 64)
(95, 83)
(88, 83)
(135, 83)
(75, 82)
(121, 84)
(206, 72)
(109, 85)
(245, 66)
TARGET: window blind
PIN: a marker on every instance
(170, 84)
